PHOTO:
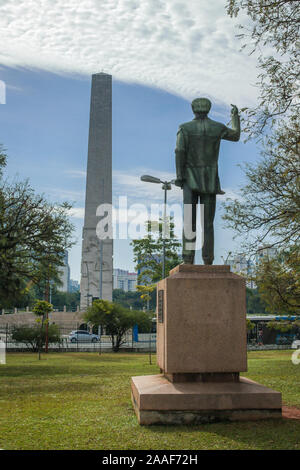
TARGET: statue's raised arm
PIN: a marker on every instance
(234, 132)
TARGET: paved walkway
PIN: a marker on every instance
(290, 412)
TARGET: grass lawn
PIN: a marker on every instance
(82, 401)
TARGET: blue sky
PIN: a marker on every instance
(44, 127)
(161, 54)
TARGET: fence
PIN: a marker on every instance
(56, 308)
(82, 342)
(95, 342)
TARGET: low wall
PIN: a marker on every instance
(70, 319)
(267, 347)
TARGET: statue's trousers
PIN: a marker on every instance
(190, 201)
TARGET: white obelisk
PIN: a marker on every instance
(97, 255)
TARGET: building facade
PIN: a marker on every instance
(265, 252)
(65, 275)
(124, 280)
(243, 266)
(74, 285)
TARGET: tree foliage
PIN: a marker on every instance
(69, 299)
(254, 302)
(250, 325)
(128, 299)
(35, 336)
(148, 252)
(289, 326)
(278, 282)
(3, 159)
(42, 308)
(273, 32)
(285, 326)
(270, 201)
(268, 211)
(34, 235)
(146, 292)
(116, 319)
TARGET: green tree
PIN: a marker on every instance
(273, 33)
(284, 326)
(278, 282)
(34, 235)
(35, 336)
(129, 300)
(148, 252)
(42, 309)
(268, 211)
(269, 207)
(250, 325)
(3, 159)
(146, 293)
(254, 302)
(69, 299)
(116, 319)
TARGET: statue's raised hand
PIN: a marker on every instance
(234, 110)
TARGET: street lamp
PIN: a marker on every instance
(226, 260)
(88, 284)
(166, 186)
(101, 268)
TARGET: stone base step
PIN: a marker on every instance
(158, 401)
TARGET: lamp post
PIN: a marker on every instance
(166, 186)
(101, 269)
(88, 284)
(47, 300)
(226, 260)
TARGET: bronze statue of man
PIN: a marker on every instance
(197, 153)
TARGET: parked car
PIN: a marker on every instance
(296, 344)
(80, 336)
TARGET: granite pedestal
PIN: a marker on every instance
(201, 350)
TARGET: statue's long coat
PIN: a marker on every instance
(197, 152)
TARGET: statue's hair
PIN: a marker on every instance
(201, 105)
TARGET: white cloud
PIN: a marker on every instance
(229, 194)
(77, 212)
(65, 194)
(129, 184)
(184, 48)
(76, 173)
(126, 184)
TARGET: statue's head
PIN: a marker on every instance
(201, 106)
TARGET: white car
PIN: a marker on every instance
(80, 336)
(296, 344)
